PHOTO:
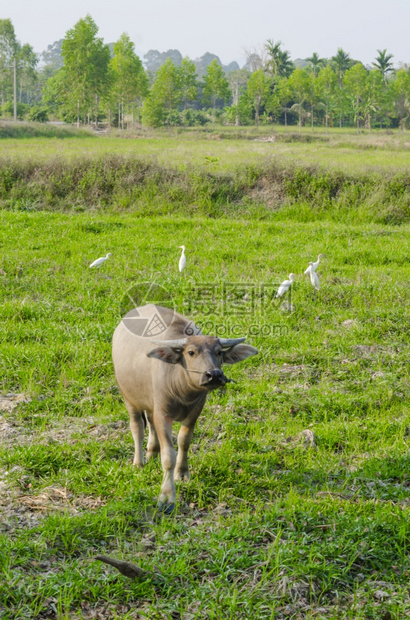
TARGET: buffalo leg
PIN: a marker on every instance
(184, 441)
(153, 447)
(163, 426)
(137, 429)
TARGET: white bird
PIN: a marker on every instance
(182, 260)
(313, 266)
(100, 261)
(285, 286)
(314, 278)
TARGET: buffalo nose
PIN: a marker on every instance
(215, 375)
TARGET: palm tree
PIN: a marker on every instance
(286, 64)
(314, 67)
(383, 63)
(279, 63)
(316, 63)
(273, 49)
(342, 63)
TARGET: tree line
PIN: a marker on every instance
(98, 83)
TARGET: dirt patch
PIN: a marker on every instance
(20, 511)
(13, 431)
(10, 401)
(267, 192)
(58, 499)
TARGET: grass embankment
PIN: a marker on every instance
(269, 526)
(274, 190)
(28, 131)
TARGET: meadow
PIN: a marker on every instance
(299, 501)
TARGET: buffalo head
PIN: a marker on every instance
(202, 357)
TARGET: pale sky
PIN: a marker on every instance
(226, 27)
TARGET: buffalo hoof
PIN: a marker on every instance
(166, 509)
(182, 476)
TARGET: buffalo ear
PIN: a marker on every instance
(238, 353)
(167, 354)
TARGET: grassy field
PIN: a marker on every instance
(299, 502)
(222, 148)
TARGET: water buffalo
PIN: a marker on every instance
(166, 380)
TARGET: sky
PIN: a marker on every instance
(227, 28)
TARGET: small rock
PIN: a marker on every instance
(348, 323)
(381, 594)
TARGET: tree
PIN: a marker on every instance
(9, 48)
(327, 83)
(300, 87)
(202, 63)
(85, 73)
(315, 63)
(255, 59)
(237, 82)
(164, 97)
(27, 76)
(129, 81)
(341, 63)
(374, 98)
(52, 57)
(400, 88)
(216, 86)
(258, 90)
(355, 82)
(280, 99)
(382, 63)
(188, 76)
(279, 63)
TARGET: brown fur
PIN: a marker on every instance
(168, 384)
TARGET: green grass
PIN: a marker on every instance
(274, 190)
(221, 148)
(269, 526)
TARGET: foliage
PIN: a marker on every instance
(129, 81)
(258, 91)
(38, 114)
(279, 63)
(383, 63)
(216, 85)
(80, 83)
(300, 87)
(8, 52)
(84, 79)
(164, 97)
(401, 96)
(8, 109)
(143, 186)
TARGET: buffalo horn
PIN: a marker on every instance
(174, 344)
(226, 343)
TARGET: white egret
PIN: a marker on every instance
(285, 286)
(182, 260)
(314, 278)
(313, 266)
(100, 261)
